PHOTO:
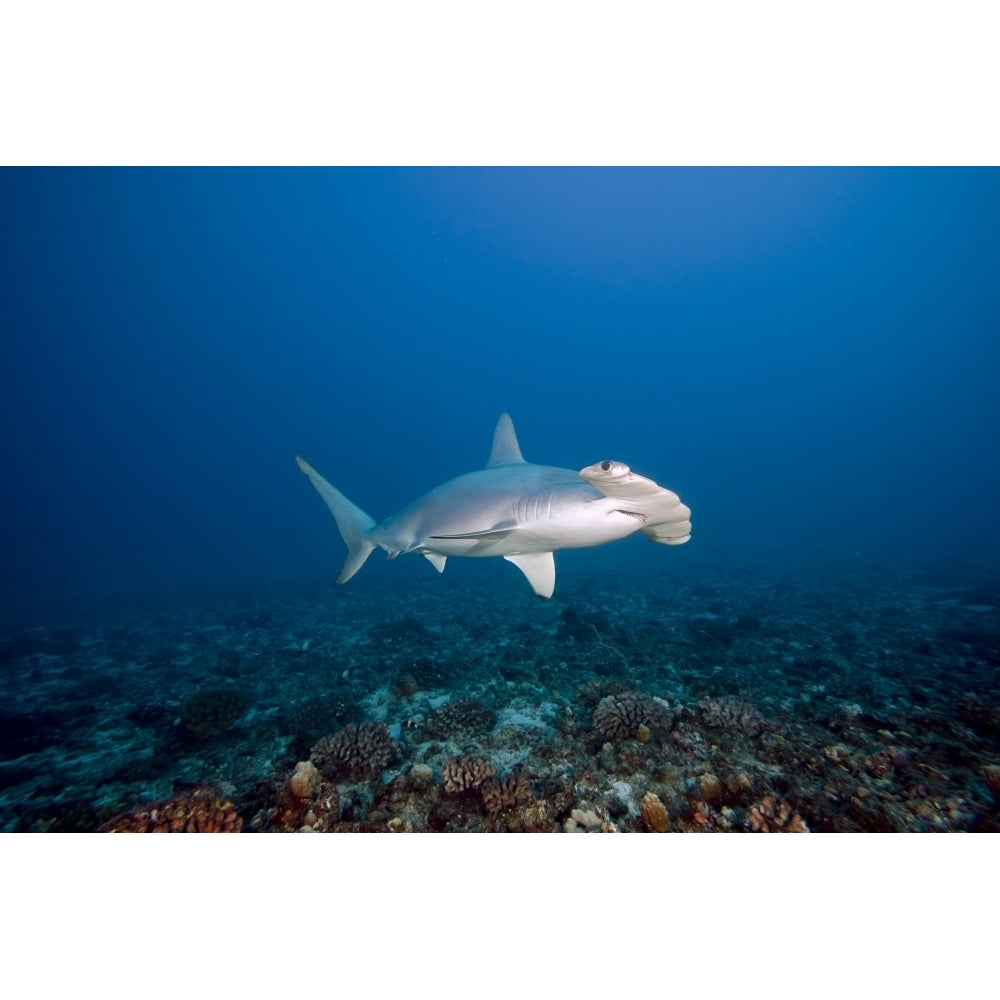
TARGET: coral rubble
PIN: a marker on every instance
(856, 701)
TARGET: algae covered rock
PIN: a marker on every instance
(212, 711)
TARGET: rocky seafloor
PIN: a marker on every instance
(768, 699)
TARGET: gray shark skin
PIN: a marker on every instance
(514, 509)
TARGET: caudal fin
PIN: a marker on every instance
(354, 524)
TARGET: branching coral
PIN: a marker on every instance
(504, 793)
(654, 813)
(465, 715)
(770, 818)
(464, 773)
(731, 713)
(356, 750)
(619, 716)
(201, 810)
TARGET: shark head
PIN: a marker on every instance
(666, 519)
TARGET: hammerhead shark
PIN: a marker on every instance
(515, 509)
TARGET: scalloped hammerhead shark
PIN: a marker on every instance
(514, 509)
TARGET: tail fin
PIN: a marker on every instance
(354, 524)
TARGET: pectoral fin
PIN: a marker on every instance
(540, 569)
(437, 560)
(497, 531)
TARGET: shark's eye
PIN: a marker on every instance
(605, 466)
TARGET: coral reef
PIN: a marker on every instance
(731, 713)
(465, 716)
(313, 716)
(305, 780)
(587, 821)
(355, 751)
(464, 773)
(538, 816)
(861, 702)
(654, 813)
(590, 692)
(710, 787)
(500, 794)
(766, 817)
(306, 804)
(201, 810)
(421, 777)
(619, 716)
(432, 672)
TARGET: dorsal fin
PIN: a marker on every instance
(506, 450)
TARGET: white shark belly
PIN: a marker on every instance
(543, 523)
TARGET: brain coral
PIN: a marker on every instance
(619, 716)
(356, 750)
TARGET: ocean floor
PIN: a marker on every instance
(715, 699)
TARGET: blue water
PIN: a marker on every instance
(809, 357)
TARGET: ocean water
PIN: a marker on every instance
(809, 358)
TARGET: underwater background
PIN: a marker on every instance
(808, 357)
